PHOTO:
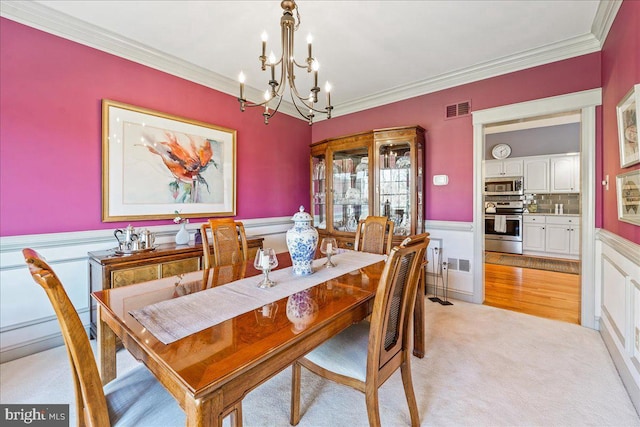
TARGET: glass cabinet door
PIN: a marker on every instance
(395, 201)
(350, 179)
(319, 191)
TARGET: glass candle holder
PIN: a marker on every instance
(328, 247)
(266, 261)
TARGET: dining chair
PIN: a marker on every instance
(367, 353)
(228, 242)
(374, 234)
(135, 398)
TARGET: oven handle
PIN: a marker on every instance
(509, 217)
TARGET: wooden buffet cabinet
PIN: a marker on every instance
(378, 172)
(108, 270)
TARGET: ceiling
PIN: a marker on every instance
(372, 52)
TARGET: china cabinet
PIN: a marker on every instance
(378, 172)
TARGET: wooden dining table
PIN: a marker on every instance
(210, 371)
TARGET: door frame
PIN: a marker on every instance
(585, 102)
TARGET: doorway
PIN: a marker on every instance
(529, 264)
(584, 102)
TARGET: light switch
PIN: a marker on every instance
(440, 179)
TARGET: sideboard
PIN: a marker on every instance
(108, 270)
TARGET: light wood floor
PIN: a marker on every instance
(537, 292)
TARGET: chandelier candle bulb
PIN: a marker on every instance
(309, 40)
(264, 37)
(242, 79)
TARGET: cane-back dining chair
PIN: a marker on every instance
(366, 354)
(133, 399)
(374, 234)
(228, 242)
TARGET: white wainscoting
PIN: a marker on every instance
(27, 321)
(617, 280)
(455, 240)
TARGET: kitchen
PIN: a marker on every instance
(532, 215)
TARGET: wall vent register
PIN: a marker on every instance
(459, 109)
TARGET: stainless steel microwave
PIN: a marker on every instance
(504, 186)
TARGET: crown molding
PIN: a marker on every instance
(565, 49)
(46, 19)
(51, 21)
(605, 15)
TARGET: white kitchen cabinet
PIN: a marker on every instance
(564, 173)
(533, 233)
(536, 174)
(498, 168)
(563, 235)
(554, 236)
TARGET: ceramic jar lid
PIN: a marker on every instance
(301, 216)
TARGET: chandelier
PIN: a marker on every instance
(304, 104)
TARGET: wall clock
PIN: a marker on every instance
(501, 151)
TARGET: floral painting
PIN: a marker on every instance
(155, 164)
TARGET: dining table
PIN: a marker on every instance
(212, 336)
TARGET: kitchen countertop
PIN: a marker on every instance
(550, 214)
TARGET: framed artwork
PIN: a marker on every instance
(156, 164)
(627, 112)
(628, 195)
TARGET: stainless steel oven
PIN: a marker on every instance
(503, 226)
(504, 186)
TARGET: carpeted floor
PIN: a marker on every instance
(483, 367)
(538, 263)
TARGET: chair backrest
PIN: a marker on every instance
(228, 242)
(389, 337)
(90, 398)
(374, 234)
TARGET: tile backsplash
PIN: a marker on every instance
(546, 203)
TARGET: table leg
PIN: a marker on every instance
(106, 349)
(204, 412)
(419, 317)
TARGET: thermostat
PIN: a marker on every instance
(440, 179)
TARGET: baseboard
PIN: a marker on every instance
(618, 360)
(31, 347)
(451, 294)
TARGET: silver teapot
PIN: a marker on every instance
(128, 240)
(146, 238)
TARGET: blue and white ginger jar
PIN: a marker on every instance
(302, 240)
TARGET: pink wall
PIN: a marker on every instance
(449, 148)
(50, 128)
(620, 71)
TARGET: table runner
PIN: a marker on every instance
(177, 318)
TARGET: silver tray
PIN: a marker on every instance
(133, 251)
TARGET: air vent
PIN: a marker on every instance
(452, 263)
(464, 265)
(460, 109)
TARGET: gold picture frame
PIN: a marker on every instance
(628, 195)
(156, 164)
(627, 114)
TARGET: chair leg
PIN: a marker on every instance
(407, 382)
(296, 371)
(373, 411)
